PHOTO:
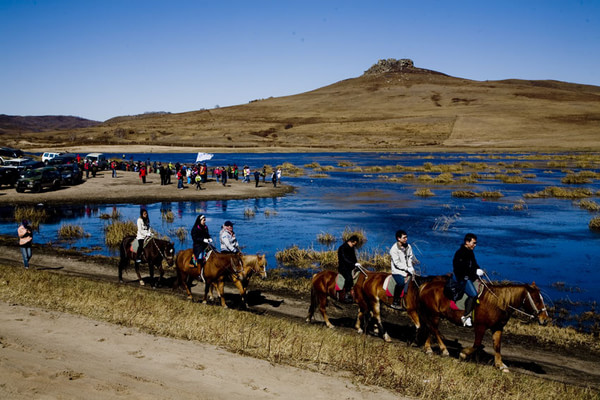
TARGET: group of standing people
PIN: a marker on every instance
(464, 265)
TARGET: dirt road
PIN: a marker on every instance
(39, 354)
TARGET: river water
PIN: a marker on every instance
(548, 241)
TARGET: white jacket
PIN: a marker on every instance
(143, 231)
(402, 260)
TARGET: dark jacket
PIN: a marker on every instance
(346, 258)
(199, 233)
(464, 264)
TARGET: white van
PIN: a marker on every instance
(98, 157)
(47, 156)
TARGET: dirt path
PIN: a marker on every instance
(38, 354)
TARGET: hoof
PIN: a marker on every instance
(463, 356)
(142, 282)
(505, 370)
(308, 320)
(330, 326)
(120, 280)
(445, 353)
(429, 352)
(387, 338)
(360, 331)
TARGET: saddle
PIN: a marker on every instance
(135, 245)
(202, 262)
(340, 280)
(455, 292)
(390, 286)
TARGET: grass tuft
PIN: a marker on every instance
(71, 232)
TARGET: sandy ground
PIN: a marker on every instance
(127, 187)
(41, 359)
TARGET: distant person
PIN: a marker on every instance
(200, 239)
(403, 261)
(224, 176)
(264, 173)
(142, 173)
(274, 178)
(25, 234)
(229, 243)
(256, 177)
(143, 232)
(466, 272)
(346, 263)
(113, 167)
(198, 180)
(279, 175)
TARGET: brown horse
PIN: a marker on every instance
(217, 266)
(370, 294)
(497, 303)
(322, 287)
(153, 254)
(253, 264)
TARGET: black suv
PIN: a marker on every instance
(70, 174)
(63, 159)
(8, 176)
(38, 179)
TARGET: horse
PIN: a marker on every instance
(497, 302)
(253, 264)
(370, 294)
(155, 251)
(216, 266)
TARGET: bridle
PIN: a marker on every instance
(527, 298)
(160, 251)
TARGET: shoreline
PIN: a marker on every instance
(128, 188)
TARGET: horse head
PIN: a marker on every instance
(170, 253)
(237, 263)
(260, 265)
(534, 303)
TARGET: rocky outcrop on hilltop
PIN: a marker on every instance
(393, 65)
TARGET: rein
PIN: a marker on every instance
(158, 248)
(531, 302)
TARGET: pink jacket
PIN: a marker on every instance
(23, 240)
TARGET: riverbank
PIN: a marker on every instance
(127, 187)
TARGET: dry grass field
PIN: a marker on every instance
(399, 108)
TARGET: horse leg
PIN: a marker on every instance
(137, 271)
(323, 309)
(435, 323)
(377, 315)
(497, 336)
(313, 305)
(221, 292)
(468, 352)
(183, 281)
(240, 287)
(122, 264)
(151, 271)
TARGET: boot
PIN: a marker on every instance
(397, 303)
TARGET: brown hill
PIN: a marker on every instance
(393, 106)
(10, 124)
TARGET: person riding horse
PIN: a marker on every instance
(402, 266)
(143, 233)
(346, 263)
(229, 243)
(466, 272)
(201, 239)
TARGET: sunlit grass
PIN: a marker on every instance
(117, 230)
(326, 238)
(559, 192)
(595, 224)
(35, 215)
(69, 231)
(115, 215)
(424, 192)
(167, 216)
(589, 205)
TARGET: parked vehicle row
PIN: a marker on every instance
(37, 179)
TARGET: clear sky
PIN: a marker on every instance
(98, 59)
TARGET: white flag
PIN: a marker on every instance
(203, 157)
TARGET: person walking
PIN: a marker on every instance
(142, 173)
(229, 243)
(256, 177)
(346, 263)
(25, 234)
(466, 272)
(274, 178)
(200, 239)
(403, 261)
(224, 176)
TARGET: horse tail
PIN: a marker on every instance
(313, 297)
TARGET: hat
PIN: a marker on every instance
(228, 223)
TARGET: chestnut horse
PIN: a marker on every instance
(370, 294)
(154, 253)
(253, 264)
(217, 266)
(497, 302)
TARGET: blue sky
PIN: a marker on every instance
(100, 59)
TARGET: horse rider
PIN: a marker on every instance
(143, 232)
(346, 263)
(466, 272)
(229, 243)
(201, 238)
(402, 263)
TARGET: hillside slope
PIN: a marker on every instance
(393, 106)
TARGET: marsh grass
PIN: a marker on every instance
(69, 232)
(270, 213)
(345, 164)
(595, 224)
(249, 213)
(167, 216)
(318, 176)
(117, 230)
(326, 238)
(290, 169)
(465, 194)
(444, 222)
(312, 165)
(181, 233)
(359, 233)
(491, 194)
(575, 179)
(520, 205)
(424, 192)
(35, 215)
(562, 193)
(114, 215)
(405, 370)
(589, 205)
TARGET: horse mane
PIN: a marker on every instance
(504, 294)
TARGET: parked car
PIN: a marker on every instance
(7, 152)
(98, 157)
(38, 179)
(67, 158)
(70, 174)
(47, 156)
(8, 176)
